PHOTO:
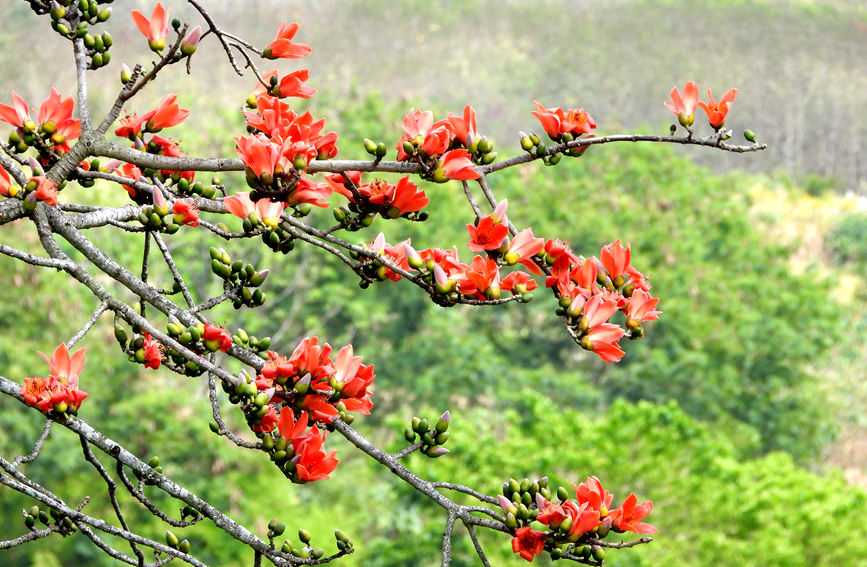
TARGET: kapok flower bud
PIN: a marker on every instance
(370, 146)
(191, 42)
(442, 424)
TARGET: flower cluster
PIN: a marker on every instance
(306, 388)
(58, 394)
(52, 131)
(141, 130)
(592, 290)
(574, 526)
(446, 149)
(369, 198)
(282, 143)
(684, 106)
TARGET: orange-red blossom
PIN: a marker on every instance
(717, 111)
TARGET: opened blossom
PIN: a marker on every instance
(684, 107)
(17, 115)
(628, 517)
(528, 543)
(242, 207)
(166, 114)
(457, 165)
(283, 47)
(186, 212)
(602, 337)
(154, 29)
(153, 352)
(556, 122)
(46, 190)
(464, 127)
(717, 111)
(59, 392)
(489, 233)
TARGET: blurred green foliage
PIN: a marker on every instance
(848, 241)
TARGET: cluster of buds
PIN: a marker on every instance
(158, 217)
(575, 528)
(195, 188)
(306, 550)
(240, 277)
(433, 438)
(52, 517)
(148, 477)
(71, 19)
(181, 545)
(140, 348)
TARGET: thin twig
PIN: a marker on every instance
(87, 326)
(29, 458)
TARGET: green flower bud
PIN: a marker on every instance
(597, 553)
(370, 146)
(171, 540)
(29, 521)
(381, 150)
(304, 536)
(409, 435)
(562, 494)
(750, 136)
(341, 536)
(184, 546)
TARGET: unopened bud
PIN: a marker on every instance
(370, 146)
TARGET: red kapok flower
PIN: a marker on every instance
(130, 126)
(5, 182)
(311, 461)
(684, 107)
(283, 47)
(64, 367)
(528, 542)
(593, 494)
(353, 379)
(458, 165)
(55, 117)
(488, 234)
(555, 122)
(154, 29)
(464, 129)
(167, 113)
(615, 257)
(153, 352)
(186, 212)
(17, 115)
(628, 517)
(46, 190)
(216, 338)
(717, 111)
(602, 337)
(293, 85)
(58, 392)
(641, 308)
(518, 283)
